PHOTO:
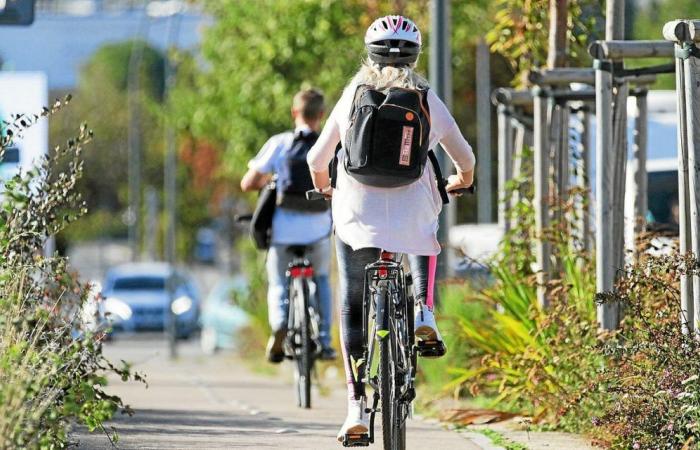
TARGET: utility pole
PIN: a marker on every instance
(170, 177)
(441, 81)
(133, 216)
(483, 135)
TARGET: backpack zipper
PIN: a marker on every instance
(420, 123)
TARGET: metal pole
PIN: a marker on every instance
(483, 141)
(170, 180)
(541, 200)
(134, 138)
(441, 82)
(640, 166)
(151, 222)
(607, 313)
(691, 73)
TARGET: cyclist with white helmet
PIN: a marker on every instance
(395, 215)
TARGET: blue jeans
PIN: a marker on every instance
(278, 259)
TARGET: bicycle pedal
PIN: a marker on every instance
(430, 349)
(356, 440)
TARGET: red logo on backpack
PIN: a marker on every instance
(406, 144)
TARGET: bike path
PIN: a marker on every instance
(202, 402)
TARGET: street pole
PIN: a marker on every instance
(133, 217)
(441, 83)
(170, 179)
(151, 223)
(483, 136)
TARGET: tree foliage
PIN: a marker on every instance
(521, 32)
(258, 54)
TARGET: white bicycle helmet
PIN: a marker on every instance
(393, 40)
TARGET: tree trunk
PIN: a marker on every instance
(558, 20)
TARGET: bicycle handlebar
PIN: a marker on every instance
(314, 195)
(470, 190)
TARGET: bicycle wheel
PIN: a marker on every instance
(303, 357)
(387, 380)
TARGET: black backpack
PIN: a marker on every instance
(386, 144)
(296, 180)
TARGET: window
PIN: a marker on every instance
(139, 284)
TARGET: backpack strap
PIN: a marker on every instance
(438, 175)
(334, 166)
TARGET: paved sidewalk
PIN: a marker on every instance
(199, 402)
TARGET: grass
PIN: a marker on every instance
(498, 439)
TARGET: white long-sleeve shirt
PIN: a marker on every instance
(402, 219)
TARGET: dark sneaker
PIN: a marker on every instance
(275, 351)
(327, 354)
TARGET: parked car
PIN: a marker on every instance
(205, 246)
(136, 298)
(222, 317)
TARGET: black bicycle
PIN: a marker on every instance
(390, 351)
(302, 343)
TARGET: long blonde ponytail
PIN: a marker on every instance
(384, 77)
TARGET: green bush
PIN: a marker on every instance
(52, 371)
(652, 379)
(540, 362)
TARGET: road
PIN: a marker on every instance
(200, 402)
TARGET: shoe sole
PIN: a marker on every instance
(355, 430)
(425, 333)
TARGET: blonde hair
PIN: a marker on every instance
(385, 77)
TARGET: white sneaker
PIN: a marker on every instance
(428, 339)
(357, 421)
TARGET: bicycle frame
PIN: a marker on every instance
(387, 276)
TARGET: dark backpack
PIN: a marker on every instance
(293, 183)
(261, 222)
(387, 142)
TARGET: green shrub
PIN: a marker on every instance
(540, 362)
(653, 376)
(254, 335)
(51, 364)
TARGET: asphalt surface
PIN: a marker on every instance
(202, 402)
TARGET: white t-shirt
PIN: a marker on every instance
(402, 219)
(289, 227)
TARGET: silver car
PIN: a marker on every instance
(137, 298)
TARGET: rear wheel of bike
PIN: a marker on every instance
(387, 381)
(303, 357)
